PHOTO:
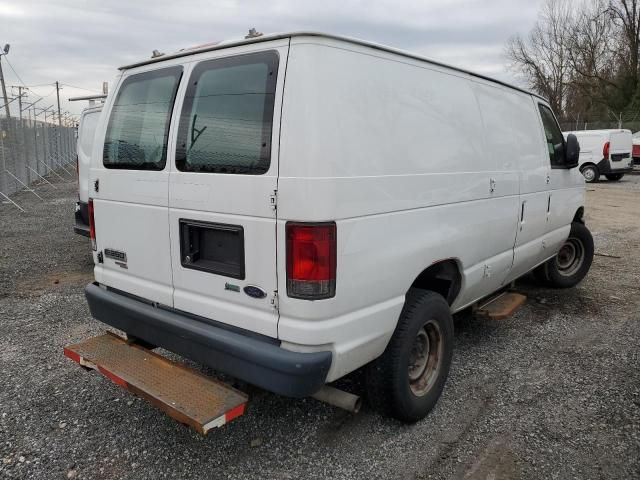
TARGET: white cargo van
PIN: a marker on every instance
(604, 152)
(86, 133)
(289, 208)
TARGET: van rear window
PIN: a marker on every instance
(138, 127)
(227, 115)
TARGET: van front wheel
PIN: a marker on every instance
(573, 261)
(407, 380)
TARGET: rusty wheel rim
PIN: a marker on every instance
(570, 257)
(424, 359)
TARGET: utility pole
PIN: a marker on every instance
(20, 103)
(4, 92)
(58, 97)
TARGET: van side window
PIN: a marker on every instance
(226, 120)
(138, 129)
(88, 131)
(553, 134)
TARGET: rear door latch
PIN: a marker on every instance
(275, 303)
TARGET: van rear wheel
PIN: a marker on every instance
(573, 261)
(407, 380)
(590, 173)
(614, 177)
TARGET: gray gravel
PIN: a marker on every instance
(553, 392)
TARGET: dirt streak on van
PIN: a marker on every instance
(290, 208)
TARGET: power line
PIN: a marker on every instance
(80, 88)
(41, 85)
(14, 70)
(47, 95)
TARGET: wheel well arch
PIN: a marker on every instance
(579, 216)
(443, 277)
(588, 164)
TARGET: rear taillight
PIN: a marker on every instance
(92, 226)
(605, 151)
(311, 260)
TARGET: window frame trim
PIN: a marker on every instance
(271, 58)
(151, 74)
(564, 142)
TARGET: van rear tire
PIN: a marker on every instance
(614, 177)
(407, 380)
(590, 173)
(573, 261)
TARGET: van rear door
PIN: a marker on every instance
(129, 186)
(86, 135)
(620, 147)
(222, 187)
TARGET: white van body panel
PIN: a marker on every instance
(86, 135)
(216, 198)
(415, 162)
(399, 167)
(131, 211)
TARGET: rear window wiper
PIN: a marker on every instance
(195, 133)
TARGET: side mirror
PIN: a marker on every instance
(571, 152)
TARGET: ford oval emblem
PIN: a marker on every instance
(255, 292)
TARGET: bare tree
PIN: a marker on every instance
(543, 57)
(592, 50)
(626, 13)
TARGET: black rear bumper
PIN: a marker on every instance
(248, 356)
(604, 167)
(81, 225)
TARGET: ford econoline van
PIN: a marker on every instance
(292, 207)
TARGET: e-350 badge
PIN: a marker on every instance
(119, 257)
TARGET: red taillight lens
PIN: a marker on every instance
(92, 226)
(605, 151)
(311, 260)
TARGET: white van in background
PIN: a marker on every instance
(604, 152)
(289, 230)
(86, 134)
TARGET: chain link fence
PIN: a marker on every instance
(33, 153)
(630, 121)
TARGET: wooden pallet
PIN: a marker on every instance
(186, 395)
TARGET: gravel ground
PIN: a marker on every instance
(553, 392)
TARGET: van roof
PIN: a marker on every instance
(275, 36)
(599, 132)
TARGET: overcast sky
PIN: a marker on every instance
(81, 43)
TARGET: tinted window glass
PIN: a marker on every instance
(553, 134)
(139, 124)
(226, 120)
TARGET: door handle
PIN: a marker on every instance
(522, 214)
